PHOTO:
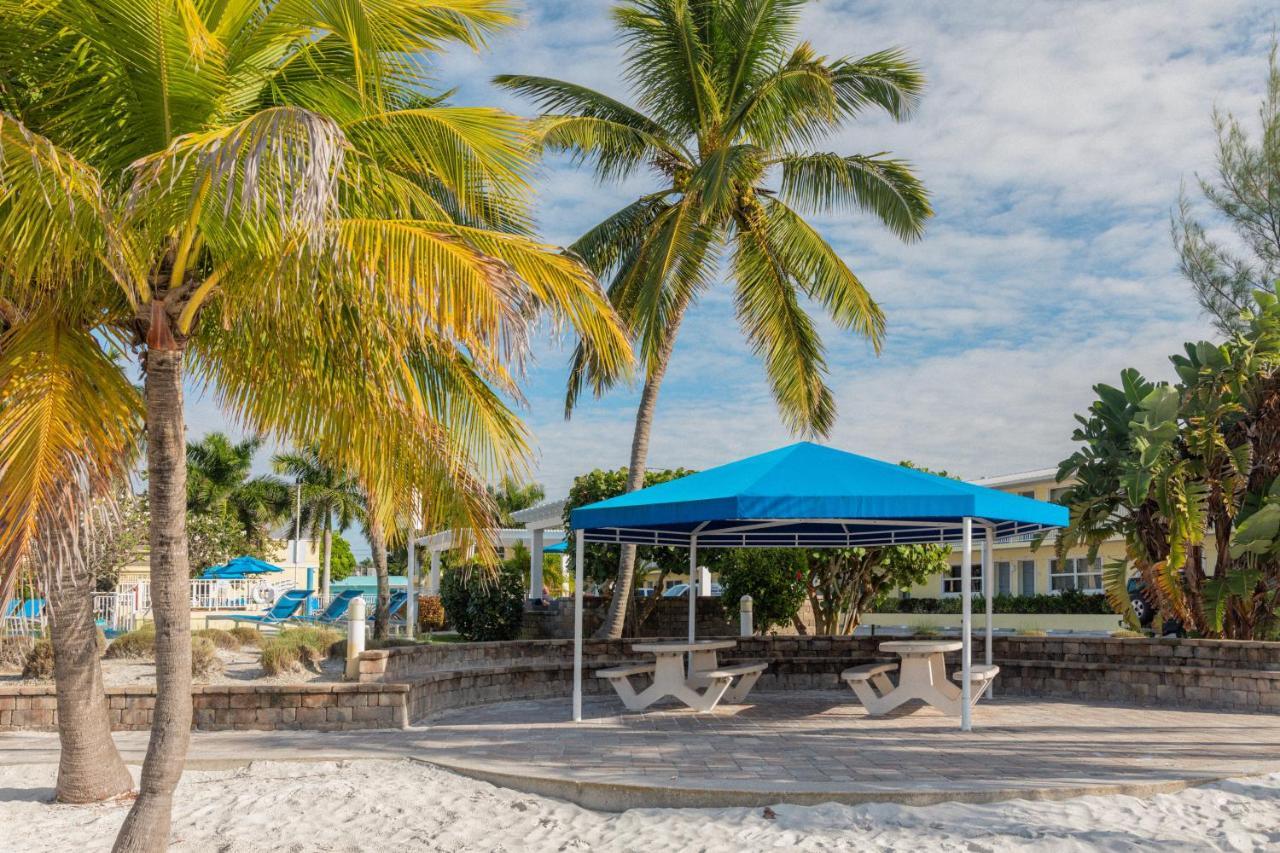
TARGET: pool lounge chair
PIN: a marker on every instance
(282, 611)
(23, 617)
(336, 612)
(394, 608)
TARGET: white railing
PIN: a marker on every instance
(114, 611)
(240, 594)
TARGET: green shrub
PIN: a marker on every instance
(1071, 601)
(430, 614)
(14, 651)
(204, 658)
(774, 578)
(39, 662)
(138, 643)
(485, 605)
(295, 648)
(247, 635)
(220, 638)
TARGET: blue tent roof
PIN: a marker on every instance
(558, 548)
(240, 567)
(809, 495)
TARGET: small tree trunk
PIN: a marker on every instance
(146, 828)
(615, 620)
(324, 572)
(89, 765)
(378, 543)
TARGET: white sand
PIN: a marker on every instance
(405, 805)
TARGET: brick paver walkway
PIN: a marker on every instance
(822, 742)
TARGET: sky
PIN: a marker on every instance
(1053, 138)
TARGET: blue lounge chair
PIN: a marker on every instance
(336, 612)
(283, 610)
(397, 603)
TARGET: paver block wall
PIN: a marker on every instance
(317, 707)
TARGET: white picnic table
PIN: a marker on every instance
(702, 687)
(922, 674)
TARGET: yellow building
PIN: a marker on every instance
(1018, 569)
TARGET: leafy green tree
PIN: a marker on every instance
(1173, 468)
(600, 562)
(1244, 193)
(483, 606)
(213, 538)
(219, 481)
(729, 113)
(342, 563)
(774, 578)
(845, 583)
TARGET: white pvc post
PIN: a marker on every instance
(966, 623)
(577, 630)
(535, 565)
(433, 579)
(989, 584)
(693, 591)
(411, 572)
(746, 621)
(355, 636)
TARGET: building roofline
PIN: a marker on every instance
(1017, 478)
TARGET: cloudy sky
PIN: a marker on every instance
(1053, 138)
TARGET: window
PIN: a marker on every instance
(1004, 579)
(1075, 573)
(951, 581)
(1030, 493)
(1027, 581)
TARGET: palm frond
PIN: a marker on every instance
(876, 184)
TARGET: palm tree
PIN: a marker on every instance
(511, 495)
(218, 480)
(728, 111)
(331, 500)
(255, 190)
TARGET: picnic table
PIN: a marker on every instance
(702, 687)
(922, 674)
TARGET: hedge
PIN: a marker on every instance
(1070, 601)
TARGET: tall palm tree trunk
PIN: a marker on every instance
(146, 828)
(616, 619)
(378, 542)
(89, 765)
(328, 551)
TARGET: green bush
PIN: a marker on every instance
(39, 662)
(247, 635)
(295, 648)
(774, 578)
(204, 658)
(1071, 601)
(138, 643)
(485, 605)
(220, 638)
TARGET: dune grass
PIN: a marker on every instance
(293, 649)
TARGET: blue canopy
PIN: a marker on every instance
(558, 548)
(807, 495)
(240, 567)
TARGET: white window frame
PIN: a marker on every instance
(953, 579)
(1076, 568)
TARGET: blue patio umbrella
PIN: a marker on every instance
(809, 496)
(240, 567)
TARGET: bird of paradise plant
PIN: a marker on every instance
(255, 196)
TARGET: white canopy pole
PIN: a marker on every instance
(411, 576)
(989, 582)
(966, 623)
(577, 631)
(693, 590)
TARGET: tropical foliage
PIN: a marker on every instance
(481, 606)
(332, 500)
(1188, 475)
(728, 117)
(219, 481)
(1244, 195)
(1071, 601)
(511, 495)
(771, 577)
(259, 193)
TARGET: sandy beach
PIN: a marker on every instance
(365, 805)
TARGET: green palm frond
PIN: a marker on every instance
(882, 186)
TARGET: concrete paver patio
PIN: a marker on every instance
(799, 747)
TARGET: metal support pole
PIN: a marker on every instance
(989, 586)
(411, 578)
(693, 590)
(966, 624)
(577, 630)
(535, 564)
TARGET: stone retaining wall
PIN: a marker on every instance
(317, 707)
(1194, 673)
